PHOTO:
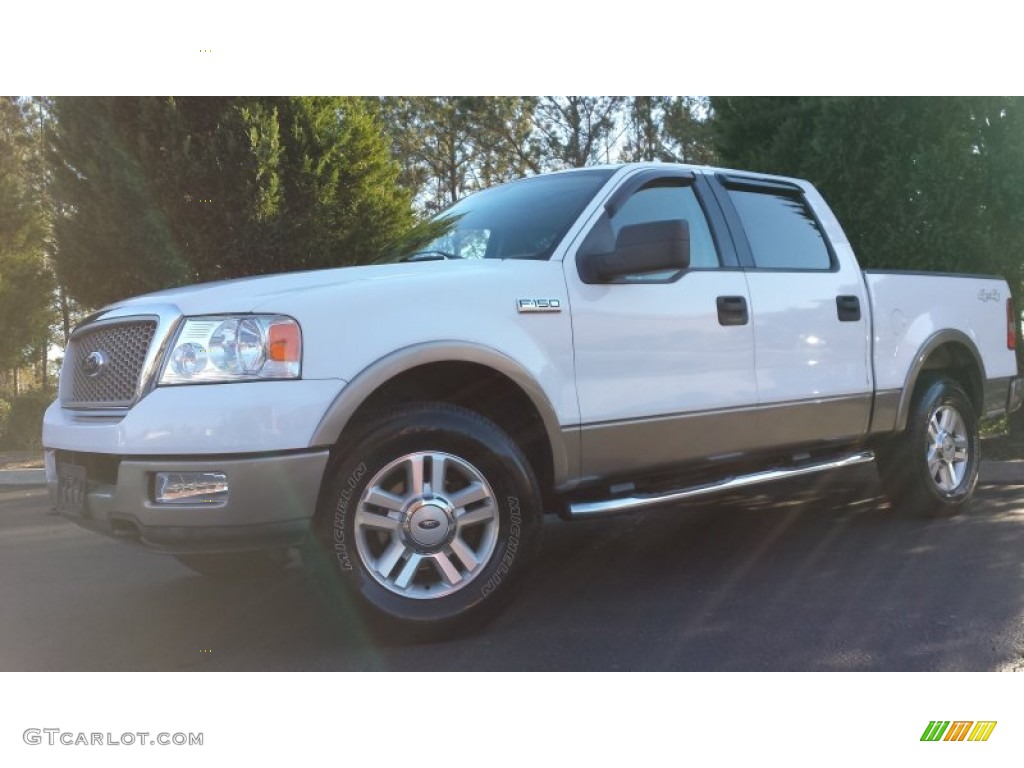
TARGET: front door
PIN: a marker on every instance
(664, 361)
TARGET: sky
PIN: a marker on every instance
(393, 47)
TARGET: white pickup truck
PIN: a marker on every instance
(585, 343)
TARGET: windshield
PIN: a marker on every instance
(524, 219)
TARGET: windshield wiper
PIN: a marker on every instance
(431, 256)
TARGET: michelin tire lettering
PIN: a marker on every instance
(340, 517)
(515, 523)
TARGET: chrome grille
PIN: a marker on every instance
(123, 347)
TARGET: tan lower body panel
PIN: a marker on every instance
(622, 448)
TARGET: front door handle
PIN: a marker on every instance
(732, 310)
(848, 308)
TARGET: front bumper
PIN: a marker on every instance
(236, 418)
(270, 503)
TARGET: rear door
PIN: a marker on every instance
(809, 311)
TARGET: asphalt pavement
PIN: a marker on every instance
(816, 574)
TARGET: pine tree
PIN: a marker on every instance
(159, 192)
(26, 285)
(918, 183)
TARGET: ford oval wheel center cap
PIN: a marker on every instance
(428, 524)
(947, 448)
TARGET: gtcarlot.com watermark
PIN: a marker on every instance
(55, 736)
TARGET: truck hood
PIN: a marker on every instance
(251, 293)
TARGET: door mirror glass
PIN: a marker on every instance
(651, 246)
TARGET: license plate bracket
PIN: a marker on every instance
(71, 488)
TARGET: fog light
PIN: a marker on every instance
(190, 488)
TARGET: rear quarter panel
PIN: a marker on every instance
(909, 309)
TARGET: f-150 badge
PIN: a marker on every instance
(539, 305)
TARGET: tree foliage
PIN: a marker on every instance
(26, 284)
(918, 183)
(450, 146)
(668, 128)
(578, 130)
(689, 130)
(153, 192)
(434, 141)
(157, 192)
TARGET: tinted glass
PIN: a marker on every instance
(663, 203)
(781, 230)
(522, 220)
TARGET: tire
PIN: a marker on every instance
(237, 565)
(424, 560)
(931, 468)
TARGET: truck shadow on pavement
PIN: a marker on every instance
(798, 576)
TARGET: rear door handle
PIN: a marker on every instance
(732, 310)
(848, 308)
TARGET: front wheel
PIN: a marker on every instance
(931, 469)
(430, 518)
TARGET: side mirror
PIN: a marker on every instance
(654, 246)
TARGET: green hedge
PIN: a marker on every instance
(21, 420)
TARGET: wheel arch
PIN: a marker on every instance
(392, 378)
(951, 351)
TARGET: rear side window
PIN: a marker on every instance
(781, 230)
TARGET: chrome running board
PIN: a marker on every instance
(584, 510)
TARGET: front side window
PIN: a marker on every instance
(665, 201)
(781, 230)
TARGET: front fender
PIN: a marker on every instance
(564, 451)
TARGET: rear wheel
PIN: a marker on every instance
(430, 518)
(931, 469)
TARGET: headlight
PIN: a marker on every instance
(238, 348)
